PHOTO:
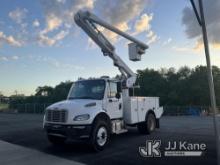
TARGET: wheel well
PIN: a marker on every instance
(150, 112)
(102, 116)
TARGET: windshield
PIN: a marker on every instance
(88, 89)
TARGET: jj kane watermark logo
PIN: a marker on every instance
(175, 148)
(151, 149)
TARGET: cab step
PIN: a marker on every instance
(121, 131)
(118, 127)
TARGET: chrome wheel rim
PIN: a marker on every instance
(101, 136)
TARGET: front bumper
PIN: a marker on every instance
(68, 131)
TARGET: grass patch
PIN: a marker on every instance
(3, 106)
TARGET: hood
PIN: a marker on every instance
(77, 107)
(75, 104)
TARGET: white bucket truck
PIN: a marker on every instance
(96, 108)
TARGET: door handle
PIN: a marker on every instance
(119, 106)
(112, 100)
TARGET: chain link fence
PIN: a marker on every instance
(39, 108)
(187, 111)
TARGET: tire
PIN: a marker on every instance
(148, 126)
(55, 140)
(100, 135)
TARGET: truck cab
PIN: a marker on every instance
(94, 109)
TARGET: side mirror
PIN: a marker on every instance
(117, 95)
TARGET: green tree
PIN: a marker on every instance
(61, 91)
(184, 86)
(44, 91)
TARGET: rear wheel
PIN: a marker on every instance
(56, 140)
(100, 135)
(148, 126)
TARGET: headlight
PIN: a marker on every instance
(81, 117)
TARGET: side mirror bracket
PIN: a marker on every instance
(118, 95)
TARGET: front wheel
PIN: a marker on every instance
(148, 126)
(100, 135)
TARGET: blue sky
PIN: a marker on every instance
(41, 45)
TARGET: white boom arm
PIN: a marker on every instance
(87, 21)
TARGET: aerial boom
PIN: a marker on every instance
(87, 21)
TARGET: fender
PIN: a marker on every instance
(102, 116)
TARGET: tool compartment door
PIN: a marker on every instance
(141, 109)
(145, 104)
(130, 109)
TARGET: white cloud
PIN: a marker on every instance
(8, 58)
(3, 58)
(61, 1)
(18, 15)
(168, 41)
(53, 22)
(152, 37)
(143, 24)
(119, 14)
(181, 49)
(72, 66)
(197, 48)
(59, 14)
(91, 44)
(60, 35)
(36, 23)
(122, 11)
(14, 57)
(190, 48)
(212, 16)
(50, 41)
(44, 40)
(57, 64)
(113, 37)
(150, 34)
(9, 40)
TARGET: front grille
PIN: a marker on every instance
(56, 115)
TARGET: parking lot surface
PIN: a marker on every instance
(26, 130)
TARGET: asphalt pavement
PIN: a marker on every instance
(25, 130)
